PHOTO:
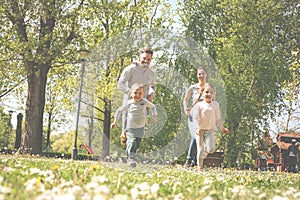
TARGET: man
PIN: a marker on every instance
(293, 152)
(137, 72)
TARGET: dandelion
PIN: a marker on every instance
(95, 167)
(55, 168)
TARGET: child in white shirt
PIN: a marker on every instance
(136, 109)
(208, 117)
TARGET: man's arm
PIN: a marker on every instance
(122, 84)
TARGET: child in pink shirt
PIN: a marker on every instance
(208, 116)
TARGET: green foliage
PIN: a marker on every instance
(250, 43)
(5, 129)
(41, 178)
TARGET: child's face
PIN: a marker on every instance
(208, 94)
(137, 94)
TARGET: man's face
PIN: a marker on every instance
(145, 59)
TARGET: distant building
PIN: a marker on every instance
(279, 150)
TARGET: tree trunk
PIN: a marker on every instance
(33, 131)
(19, 131)
(49, 130)
(106, 133)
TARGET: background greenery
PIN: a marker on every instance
(255, 45)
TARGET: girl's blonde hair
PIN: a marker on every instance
(136, 86)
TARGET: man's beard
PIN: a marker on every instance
(145, 65)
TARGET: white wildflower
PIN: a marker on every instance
(50, 179)
(119, 197)
(34, 170)
(66, 184)
(144, 186)
(208, 181)
(277, 197)
(5, 190)
(208, 198)
(179, 197)
(165, 182)
(91, 186)
(238, 189)
(102, 189)
(68, 196)
(134, 193)
(262, 196)
(205, 187)
(99, 179)
(100, 197)
(154, 188)
(75, 189)
(297, 195)
(30, 184)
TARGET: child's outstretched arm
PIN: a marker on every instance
(223, 129)
(114, 123)
(153, 111)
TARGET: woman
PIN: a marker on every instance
(194, 92)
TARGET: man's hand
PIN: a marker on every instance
(150, 98)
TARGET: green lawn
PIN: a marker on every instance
(43, 178)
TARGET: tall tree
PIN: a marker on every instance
(38, 33)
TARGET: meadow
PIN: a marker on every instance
(28, 177)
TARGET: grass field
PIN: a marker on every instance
(44, 178)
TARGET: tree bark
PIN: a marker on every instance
(106, 133)
(33, 132)
(19, 131)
